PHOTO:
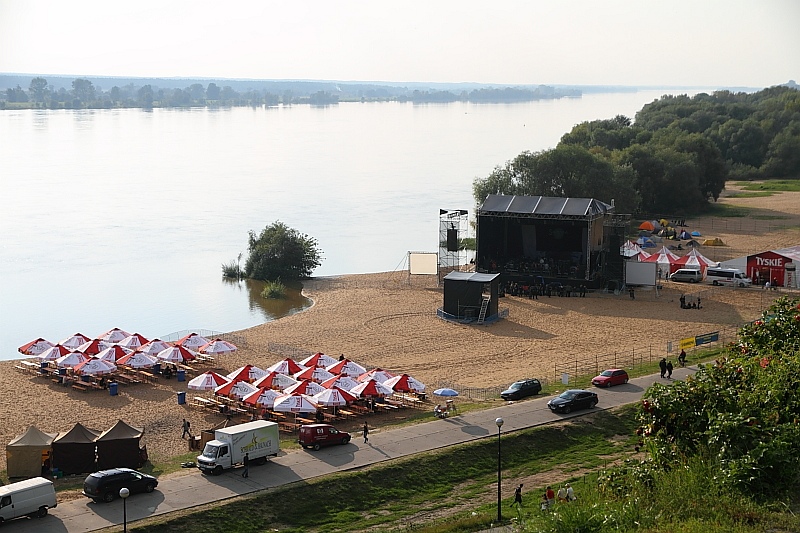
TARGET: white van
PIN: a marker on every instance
(728, 276)
(32, 497)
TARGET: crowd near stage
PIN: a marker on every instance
(549, 241)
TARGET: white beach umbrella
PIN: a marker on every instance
(192, 341)
(114, 335)
(51, 354)
(239, 389)
(217, 347)
(35, 347)
(114, 353)
(404, 383)
(287, 366)
(306, 387)
(74, 341)
(343, 382)
(273, 380)
(377, 374)
(314, 373)
(71, 359)
(176, 354)
(319, 359)
(263, 397)
(347, 368)
(154, 347)
(334, 397)
(371, 389)
(133, 341)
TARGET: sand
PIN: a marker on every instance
(388, 320)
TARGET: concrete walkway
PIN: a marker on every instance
(184, 491)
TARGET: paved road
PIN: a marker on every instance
(185, 491)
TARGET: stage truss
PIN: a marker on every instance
(452, 220)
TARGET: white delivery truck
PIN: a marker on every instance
(728, 276)
(258, 439)
(32, 497)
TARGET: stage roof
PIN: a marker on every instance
(471, 276)
(544, 206)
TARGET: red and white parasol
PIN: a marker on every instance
(273, 380)
(138, 360)
(343, 382)
(51, 354)
(133, 341)
(74, 341)
(94, 367)
(318, 359)
(314, 373)
(334, 397)
(287, 366)
(71, 359)
(35, 347)
(207, 381)
(114, 353)
(114, 335)
(93, 347)
(294, 403)
(263, 397)
(217, 347)
(192, 341)
(176, 354)
(377, 374)
(306, 386)
(247, 373)
(371, 389)
(346, 367)
(239, 389)
(404, 383)
(154, 347)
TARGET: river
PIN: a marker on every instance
(123, 218)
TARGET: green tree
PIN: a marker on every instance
(83, 90)
(212, 92)
(281, 253)
(145, 95)
(38, 89)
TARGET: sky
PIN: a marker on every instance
(685, 43)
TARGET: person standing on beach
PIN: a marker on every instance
(365, 432)
(246, 461)
(186, 426)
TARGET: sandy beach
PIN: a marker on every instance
(389, 320)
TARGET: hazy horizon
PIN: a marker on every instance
(713, 43)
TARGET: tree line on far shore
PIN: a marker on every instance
(675, 158)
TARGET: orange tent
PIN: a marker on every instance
(647, 226)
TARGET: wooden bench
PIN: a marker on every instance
(81, 386)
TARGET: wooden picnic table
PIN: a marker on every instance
(305, 420)
(346, 413)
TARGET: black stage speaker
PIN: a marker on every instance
(452, 240)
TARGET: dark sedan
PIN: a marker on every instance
(521, 389)
(572, 399)
(104, 486)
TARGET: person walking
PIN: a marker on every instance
(365, 432)
(570, 493)
(186, 426)
(517, 497)
(246, 472)
(663, 366)
(669, 369)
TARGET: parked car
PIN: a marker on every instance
(522, 388)
(610, 377)
(692, 275)
(572, 399)
(317, 435)
(104, 486)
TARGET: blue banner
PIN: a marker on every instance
(707, 338)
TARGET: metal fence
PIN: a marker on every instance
(236, 338)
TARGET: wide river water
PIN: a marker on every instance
(123, 218)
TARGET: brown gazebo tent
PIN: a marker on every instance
(26, 454)
(74, 451)
(119, 446)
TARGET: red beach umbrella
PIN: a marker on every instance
(35, 347)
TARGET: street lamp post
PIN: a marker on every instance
(499, 422)
(124, 493)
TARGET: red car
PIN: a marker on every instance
(613, 376)
(317, 435)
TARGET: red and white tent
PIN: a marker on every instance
(207, 381)
(314, 373)
(74, 341)
(334, 397)
(631, 249)
(404, 383)
(346, 367)
(318, 359)
(35, 347)
(114, 335)
(695, 259)
(274, 380)
(192, 341)
(666, 260)
(371, 389)
(306, 387)
(51, 354)
(138, 360)
(288, 366)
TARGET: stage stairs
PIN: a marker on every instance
(484, 307)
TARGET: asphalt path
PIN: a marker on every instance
(182, 491)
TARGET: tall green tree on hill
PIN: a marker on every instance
(281, 253)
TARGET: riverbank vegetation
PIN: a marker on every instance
(278, 252)
(674, 159)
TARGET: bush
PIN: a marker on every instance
(274, 290)
(280, 252)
